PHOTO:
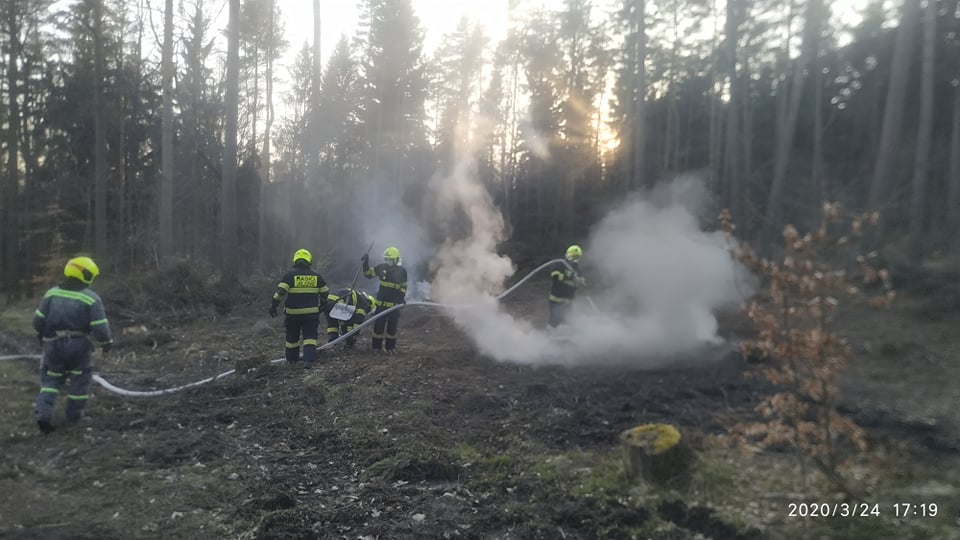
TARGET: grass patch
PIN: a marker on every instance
(605, 476)
(468, 455)
(714, 476)
(18, 319)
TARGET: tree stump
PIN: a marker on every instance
(658, 454)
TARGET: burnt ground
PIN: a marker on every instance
(442, 442)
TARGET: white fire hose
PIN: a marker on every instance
(154, 393)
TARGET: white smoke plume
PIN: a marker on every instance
(657, 279)
(663, 278)
(469, 272)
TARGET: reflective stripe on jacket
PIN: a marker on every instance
(305, 291)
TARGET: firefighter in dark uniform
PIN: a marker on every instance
(364, 305)
(393, 291)
(566, 281)
(68, 315)
(306, 293)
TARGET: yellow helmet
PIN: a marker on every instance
(391, 253)
(574, 253)
(82, 268)
(302, 255)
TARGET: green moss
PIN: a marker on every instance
(497, 461)
(388, 468)
(547, 468)
(714, 478)
(604, 477)
(467, 454)
(470, 455)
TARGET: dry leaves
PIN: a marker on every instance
(795, 336)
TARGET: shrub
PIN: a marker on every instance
(796, 343)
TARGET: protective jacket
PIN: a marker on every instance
(393, 283)
(364, 307)
(72, 309)
(565, 283)
(305, 289)
(352, 297)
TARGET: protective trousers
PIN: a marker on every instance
(337, 328)
(391, 322)
(64, 359)
(306, 326)
(559, 311)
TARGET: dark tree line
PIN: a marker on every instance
(141, 132)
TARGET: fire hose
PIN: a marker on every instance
(427, 304)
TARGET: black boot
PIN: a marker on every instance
(45, 426)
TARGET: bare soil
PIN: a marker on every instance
(442, 442)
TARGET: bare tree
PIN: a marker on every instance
(99, 137)
(953, 195)
(265, 164)
(166, 181)
(893, 109)
(921, 163)
(9, 206)
(228, 187)
(640, 92)
(316, 81)
(788, 128)
(731, 169)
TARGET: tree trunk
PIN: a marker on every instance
(816, 173)
(265, 164)
(100, 141)
(811, 40)
(715, 118)
(639, 98)
(11, 227)
(317, 79)
(746, 138)
(953, 193)
(166, 182)
(658, 454)
(228, 186)
(922, 157)
(880, 195)
(30, 251)
(731, 169)
(255, 106)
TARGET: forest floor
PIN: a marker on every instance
(443, 442)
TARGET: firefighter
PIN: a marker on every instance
(364, 305)
(306, 293)
(566, 280)
(392, 291)
(68, 315)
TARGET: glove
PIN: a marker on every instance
(273, 311)
(365, 259)
(580, 281)
(107, 347)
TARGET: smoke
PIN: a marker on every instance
(469, 269)
(469, 272)
(400, 230)
(657, 279)
(663, 277)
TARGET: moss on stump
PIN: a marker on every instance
(658, 454)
